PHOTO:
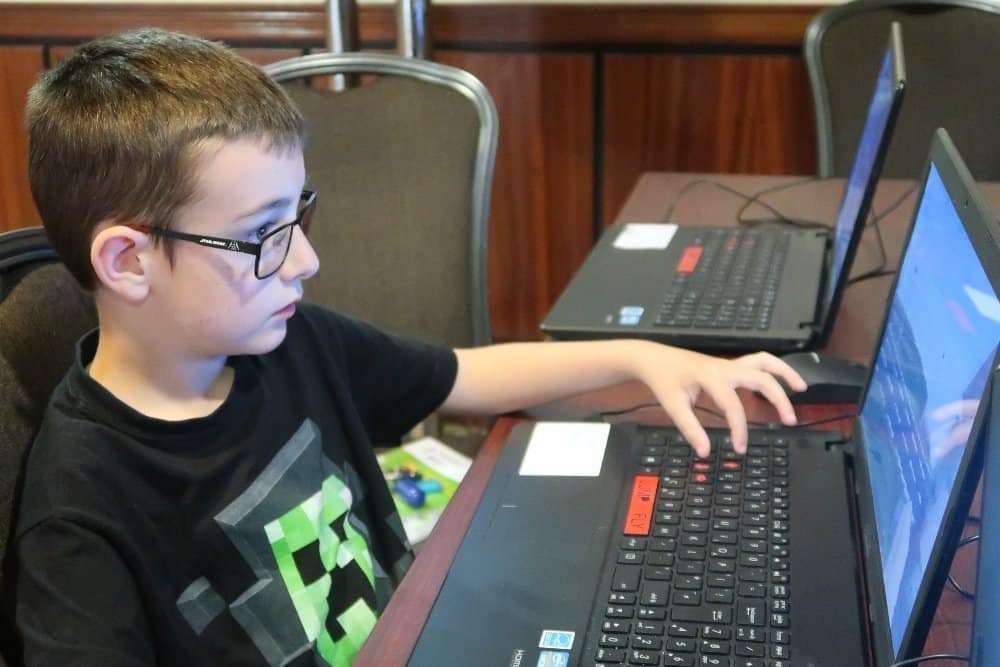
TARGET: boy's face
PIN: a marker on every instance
(211, 297)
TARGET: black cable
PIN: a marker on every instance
(876, 218)
(766, 191)
(680, 194)
(966, 541)
(750, 422)
(968, 595)
(748, 200)
(936, 656)
(824, 420)
(625, 411)
(720, 415)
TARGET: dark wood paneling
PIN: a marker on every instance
(541, 214)
(726, 113)
(667, 24)
(613, 23)
(74, 22)
(19, 67)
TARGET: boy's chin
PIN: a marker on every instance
(262, 343)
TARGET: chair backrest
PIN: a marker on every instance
(403, 165)
(950, 48)
(43, 311)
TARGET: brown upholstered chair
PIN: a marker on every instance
(43, 312)
(950, 48)
(403, 165)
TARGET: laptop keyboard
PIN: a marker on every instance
(726, 279)
(701, 573)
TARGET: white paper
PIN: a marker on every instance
(645, 236)
(565, 449)
(439, 457)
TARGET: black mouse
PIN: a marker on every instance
(830, 379)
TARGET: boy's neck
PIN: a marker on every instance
(158, 382)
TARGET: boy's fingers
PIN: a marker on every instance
(728, 402)
(679, 410)
(766, 385)
(768, 362)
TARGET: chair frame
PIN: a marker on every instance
(815, 64)
(23, 246)
(462, 82)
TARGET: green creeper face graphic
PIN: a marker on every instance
(312, 544)
(315, 586)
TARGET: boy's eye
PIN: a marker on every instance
(262, 231)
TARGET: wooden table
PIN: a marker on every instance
(695, 199)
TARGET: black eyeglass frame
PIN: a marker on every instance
(308, 202)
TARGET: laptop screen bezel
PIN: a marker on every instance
(982, 231)
(829, 308)
(986, 613)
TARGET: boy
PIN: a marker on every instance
(203, 489)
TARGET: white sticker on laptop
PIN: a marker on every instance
(565, 449)
(645, 236)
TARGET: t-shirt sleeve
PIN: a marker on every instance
(395, 381)
(76, 601)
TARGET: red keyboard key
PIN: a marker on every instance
(689, 259)
(640, 507)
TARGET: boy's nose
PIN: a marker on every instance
(302, 261)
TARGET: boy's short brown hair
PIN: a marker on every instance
(115, 131)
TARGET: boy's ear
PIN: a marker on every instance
(121, 257)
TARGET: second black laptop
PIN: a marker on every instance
(732, 289)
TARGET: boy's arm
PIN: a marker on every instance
(76, 601)
(503, 378)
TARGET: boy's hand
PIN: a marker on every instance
(678, 377)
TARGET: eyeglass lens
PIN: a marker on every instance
(273, 251)
(275, 247)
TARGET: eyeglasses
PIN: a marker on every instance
(269, 254)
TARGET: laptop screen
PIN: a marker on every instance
(922, 395)
(862, 171)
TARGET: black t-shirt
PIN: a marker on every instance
(262, 534)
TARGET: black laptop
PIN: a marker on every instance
(986, 621)
(726, 288)
(612, 545)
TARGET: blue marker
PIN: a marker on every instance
(410, 492)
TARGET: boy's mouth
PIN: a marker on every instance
(287, 311)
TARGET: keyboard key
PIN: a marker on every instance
(681, 645)
(641, 657)
(715, 648)
(715, 632)
(704, 614)
(648, 628)
(612, 655)
(654, 594)
(682, 630)
(647, 642)
(626, 578)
